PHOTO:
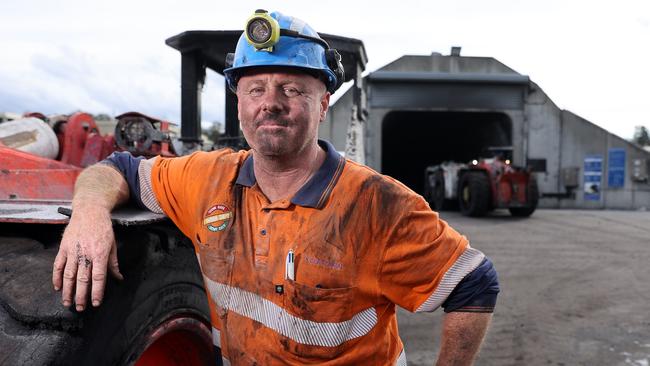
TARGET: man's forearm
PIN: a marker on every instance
(100, 185)
(462, 335)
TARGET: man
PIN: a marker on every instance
(304, 254)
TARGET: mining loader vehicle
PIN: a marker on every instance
(482, 185)
(158, 315)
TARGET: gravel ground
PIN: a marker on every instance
(575, 290)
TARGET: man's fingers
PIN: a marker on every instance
(57, 269)
(99, 275)
(113, 266)
(99, 281)
(83, 281)
(69, 281)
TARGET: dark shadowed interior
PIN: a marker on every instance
(411, 141)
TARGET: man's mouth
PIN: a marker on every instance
(271, 122)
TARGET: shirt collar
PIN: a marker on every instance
(316, 191)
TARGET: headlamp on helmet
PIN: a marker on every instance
(262, 31)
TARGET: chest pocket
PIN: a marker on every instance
(318, 321)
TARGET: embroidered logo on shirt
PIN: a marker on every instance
(323, 263)
(217, 217)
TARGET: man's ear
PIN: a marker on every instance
(238, 107)
(324, 105)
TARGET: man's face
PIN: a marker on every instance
(279, 110)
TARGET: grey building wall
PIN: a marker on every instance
(565, 140)
(544, 138)
(334, 127)
(581, 138)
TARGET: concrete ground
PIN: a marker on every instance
(575, 290)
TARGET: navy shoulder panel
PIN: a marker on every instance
(128, 165)
(477, 292)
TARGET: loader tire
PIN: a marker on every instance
(157, 314)
(435, 191)
(532, 197)
(474, 194)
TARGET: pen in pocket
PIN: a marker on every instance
(290, 266)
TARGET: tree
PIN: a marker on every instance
(213, 132)
(102, 117)
(641, 136)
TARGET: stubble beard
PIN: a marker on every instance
(272, 143)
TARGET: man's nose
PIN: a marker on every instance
(272, 102)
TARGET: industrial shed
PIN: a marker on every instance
(423, 110)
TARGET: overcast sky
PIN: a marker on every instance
(590, 57)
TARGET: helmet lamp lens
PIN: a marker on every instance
(259, 30)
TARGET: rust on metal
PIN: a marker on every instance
(19, 139)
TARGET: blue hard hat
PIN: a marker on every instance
(298, 46)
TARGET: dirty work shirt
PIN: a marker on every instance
(361, 242)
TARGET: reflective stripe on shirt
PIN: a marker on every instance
(300, 330)
(216, 337)
(466, 263)
(216, 340)
(401, 360)
(146, 192)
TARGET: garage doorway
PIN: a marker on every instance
(411, 141)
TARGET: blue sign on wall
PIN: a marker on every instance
(593, 175)
(616, 168)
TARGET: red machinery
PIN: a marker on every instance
(481, 186)
(27, 177)
(142, 135)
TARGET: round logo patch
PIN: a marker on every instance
(217, 217)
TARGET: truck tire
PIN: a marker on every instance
(435, 190)
(158, 315)
(532, 196)
(474, 194)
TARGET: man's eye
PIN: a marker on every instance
(256, 92)
(291, 92)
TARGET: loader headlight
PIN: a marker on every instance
(262, 31)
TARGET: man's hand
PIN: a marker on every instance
(88, 245)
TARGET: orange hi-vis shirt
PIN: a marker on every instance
(361, 243)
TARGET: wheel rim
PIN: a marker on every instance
(466, 195)
(177, 341)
